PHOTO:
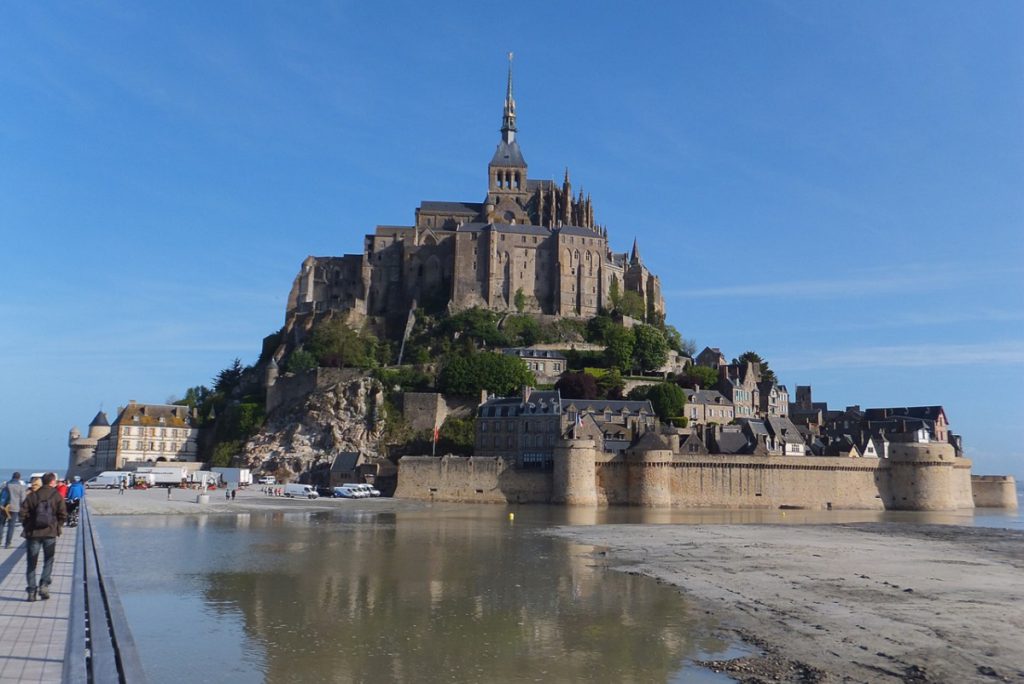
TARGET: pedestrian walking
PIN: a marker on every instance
(233, 494)
(168, 493)
(11, 497)
(121, 486)
(43, 514)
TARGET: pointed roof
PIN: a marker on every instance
(100, 420)
(508, 152)
(634, 256)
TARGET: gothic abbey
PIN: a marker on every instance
(529, 241)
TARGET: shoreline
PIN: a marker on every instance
(863, 602)
(154, 501)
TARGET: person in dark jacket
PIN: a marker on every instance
(40, 535)
(15, 495)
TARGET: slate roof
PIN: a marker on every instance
(532, 184)
(541, 402)
(784, 429)
(345, 462)
(151, 414)
(466, 208)
(706, 397)
(100, 420)
(508, 154)
(732, 442)
(614, 405)
(930, 413)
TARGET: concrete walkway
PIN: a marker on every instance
(32, 635)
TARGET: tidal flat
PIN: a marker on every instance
(861, 602)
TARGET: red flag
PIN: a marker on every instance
(436, 433)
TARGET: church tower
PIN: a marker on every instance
(506, 174)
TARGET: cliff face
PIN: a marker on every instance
(343, 416)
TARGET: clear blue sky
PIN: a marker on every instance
(837, 186)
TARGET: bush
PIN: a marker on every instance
(666, 398)
(300, 361)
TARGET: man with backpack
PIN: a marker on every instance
(11, 497)
(43, 513)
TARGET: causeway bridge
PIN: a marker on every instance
(79, 635)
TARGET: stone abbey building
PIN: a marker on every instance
(530, 241)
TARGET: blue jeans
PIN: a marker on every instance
(49, 547)
(11, 523)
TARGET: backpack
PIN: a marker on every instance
(5, 496)
(44, 516)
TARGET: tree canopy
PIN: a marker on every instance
(466, 374)
(334, 343)
(701, 376)
(650, 349)
(667, 398)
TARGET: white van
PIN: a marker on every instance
(368, 490)
(301, 490)
(109, 479)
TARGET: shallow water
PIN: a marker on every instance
(444, 593)
(453, 595)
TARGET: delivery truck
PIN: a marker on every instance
(165, 476)
(240, 476)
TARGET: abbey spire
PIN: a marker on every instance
(508, 121)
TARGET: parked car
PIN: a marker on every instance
(268, 480)
(348, 493)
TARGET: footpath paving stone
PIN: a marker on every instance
(32, 635)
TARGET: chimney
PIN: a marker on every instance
(483, 396)
(526, 393)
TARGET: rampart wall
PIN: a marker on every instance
(994, 491)
(918, 477)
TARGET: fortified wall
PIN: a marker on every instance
(918, 477)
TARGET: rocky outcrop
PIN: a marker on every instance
(343, 416)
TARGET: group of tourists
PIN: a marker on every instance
(43, 507)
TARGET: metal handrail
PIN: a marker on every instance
(99, 647)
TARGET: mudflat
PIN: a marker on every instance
(868, 602)
(155, 501)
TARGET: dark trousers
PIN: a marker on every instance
(49, 547)
(12, 521)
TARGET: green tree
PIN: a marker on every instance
(337, 345)
(300, 361)
(598, 327)
(457, 436)
(698, 376)
(228, 380)
(667, 398)
(675, 339)
(611, 384)
(614, 294)
(767, 374)
(619, 348)
(650, 349)
(466, 374)
(520, 300)
(633, 306)
(521, 330)
(476, 324)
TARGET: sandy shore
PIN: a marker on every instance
(183, 502)
(875, 602)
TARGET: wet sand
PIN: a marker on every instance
(871, 602)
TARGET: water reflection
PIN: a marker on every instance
(443, 595)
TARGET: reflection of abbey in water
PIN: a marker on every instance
(529, 240)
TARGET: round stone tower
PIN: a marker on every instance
(650, 472)
(82, 450)
(575, 481)
(921, 476)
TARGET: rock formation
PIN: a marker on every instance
(347, 416)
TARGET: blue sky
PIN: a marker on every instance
(834, 185)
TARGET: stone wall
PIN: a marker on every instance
(924, 477)
(994, 491)
(290, 388)
(424, 410)
(470, 480)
